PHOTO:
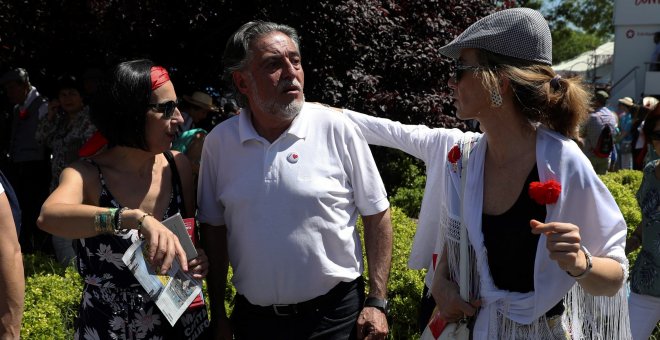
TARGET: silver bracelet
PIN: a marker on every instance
(118, 225)
(586, 272)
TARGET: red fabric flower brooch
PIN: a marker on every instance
(453, 157)
(545, 192)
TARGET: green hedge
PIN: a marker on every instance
(52, 296)
(404, 286)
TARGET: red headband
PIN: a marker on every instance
(159, 76)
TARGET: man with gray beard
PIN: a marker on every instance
(281, 186)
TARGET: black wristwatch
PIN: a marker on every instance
(379, 303)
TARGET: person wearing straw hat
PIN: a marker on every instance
(546, 236)
(195, 108)
(625, 138)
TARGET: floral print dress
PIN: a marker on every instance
(114, 305)
(64, 137)
(645, 273)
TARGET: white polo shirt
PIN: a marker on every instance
(290, 207)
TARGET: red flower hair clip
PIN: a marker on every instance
(545, 192)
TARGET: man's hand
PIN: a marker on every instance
(372, 324)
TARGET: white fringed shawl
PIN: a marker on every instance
(585, 202)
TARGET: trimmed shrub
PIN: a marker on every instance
(623, 185)
(408, 194)
(405, 285)
(52, 296)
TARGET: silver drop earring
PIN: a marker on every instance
(495, 98)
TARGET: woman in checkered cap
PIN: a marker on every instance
(546, 237)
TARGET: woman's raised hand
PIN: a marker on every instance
(563, 243)
(163, 245)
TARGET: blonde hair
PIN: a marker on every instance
(561, 104)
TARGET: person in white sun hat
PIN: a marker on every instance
(546, 237)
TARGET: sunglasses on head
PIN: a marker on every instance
(167, 108)
(458, 69)
(655, 135)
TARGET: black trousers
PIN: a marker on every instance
(30, 181)
(330, 316)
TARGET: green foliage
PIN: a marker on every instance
(230, 292)
(52, 296)
(408, 195)
(578, 26)
(623, 185)
(405, 285)
(535, 4)
(376, 56)
(590, 16)
(568, 43)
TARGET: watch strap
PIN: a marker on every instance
(376, 303)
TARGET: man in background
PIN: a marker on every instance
(28, 168)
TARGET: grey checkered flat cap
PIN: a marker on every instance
(521, 33)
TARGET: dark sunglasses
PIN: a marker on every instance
(458, 69)
(167, 108)
(655, 135)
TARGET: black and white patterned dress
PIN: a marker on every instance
(114, 305)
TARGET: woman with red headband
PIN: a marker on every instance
(110, 200)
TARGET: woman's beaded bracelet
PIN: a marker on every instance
(118, 220)
(141, 221)
(586, 272)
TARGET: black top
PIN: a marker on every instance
(509, 241)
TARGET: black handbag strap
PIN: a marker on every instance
(176, 180)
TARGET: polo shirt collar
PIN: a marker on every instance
(246, 130)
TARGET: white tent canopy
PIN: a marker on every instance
(594, 66)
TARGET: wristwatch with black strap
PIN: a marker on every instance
(379, 303)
